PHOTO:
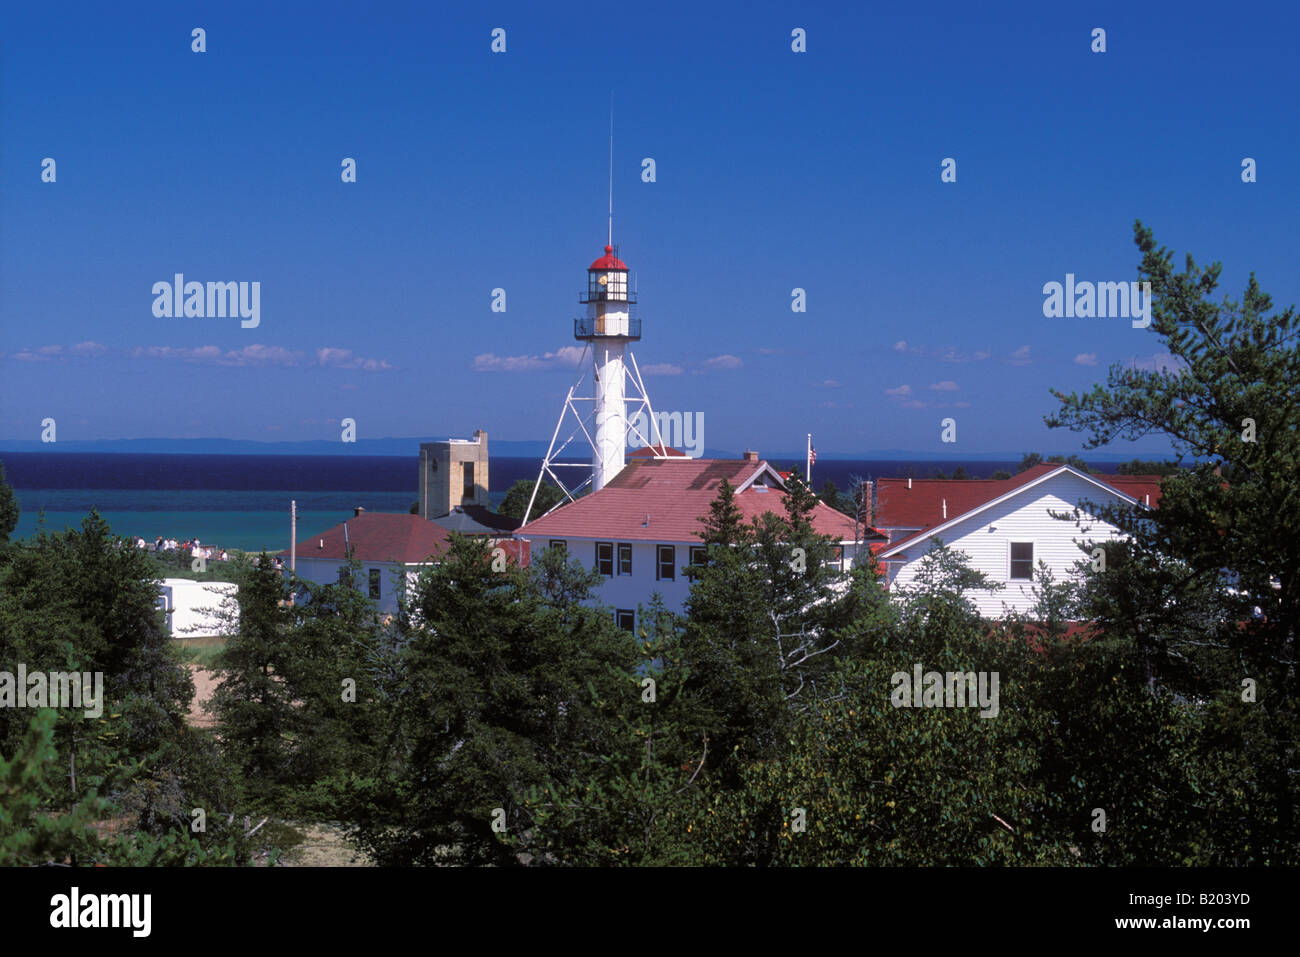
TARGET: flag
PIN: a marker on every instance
(812, 455)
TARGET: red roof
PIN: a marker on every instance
(607, 262)
(649, 452)
(922, 505)
(663, 500)
(379, 537)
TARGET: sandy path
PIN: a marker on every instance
(205, 682)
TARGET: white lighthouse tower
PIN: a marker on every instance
(620, 412)
(608, 328)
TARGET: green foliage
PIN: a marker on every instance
(1030, 459)
(1146, 467)
(498, 693)
(765, 618)
(1205, 592)
(832, 496)
(84, 600)
(9, 510)
(29, 833)
(516, 500)
(298, 700)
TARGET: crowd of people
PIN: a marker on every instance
(190, 547)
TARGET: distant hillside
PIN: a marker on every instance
(521, 449)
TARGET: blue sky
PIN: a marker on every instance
(476, 170)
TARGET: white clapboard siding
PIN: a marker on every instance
(1024, 517)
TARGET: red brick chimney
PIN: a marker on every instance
(751, 457)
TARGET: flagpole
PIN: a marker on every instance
(808, 461)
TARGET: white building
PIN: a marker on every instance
(199, 609)
(642, 528)
(1004, 526)
(392, 549)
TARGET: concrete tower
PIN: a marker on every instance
(608, 327)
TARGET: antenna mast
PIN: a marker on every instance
(611, 168)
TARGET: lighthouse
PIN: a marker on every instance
(615, 409)
(608, 327)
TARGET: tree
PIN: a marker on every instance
(765, 618)
(253, 702)
(9, 510)
(516, 500)
(499, 696)
(831, 495)
(1216, 549)
(1030, 459)
(1146, 467)
(84, 600)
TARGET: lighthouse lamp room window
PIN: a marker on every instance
(607, 298)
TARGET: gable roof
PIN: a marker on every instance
(378, 537)
(476, 520)
(663, 500)
(921, 506)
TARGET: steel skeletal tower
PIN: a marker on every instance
(617, 393)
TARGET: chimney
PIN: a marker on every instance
(751, 457)
(909, 483)
(356, 512)
(945, 509)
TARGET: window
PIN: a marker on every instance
(374, 583)
(667, 561)
(836, 558)
(559, 543)
(699, 558)
(1022, 560)
(605, 558)
(624, 559)
(468, 494)
(625, 619)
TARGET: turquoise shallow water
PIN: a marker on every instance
(244, 520)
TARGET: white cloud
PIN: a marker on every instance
(564, 357)
(1020, 357)
(249, 356)
(344, 359)
(1086, 359)
(88, 349)
(947, 385)
(662, 368)
(900, 345)
(725, 361)
(830, 383)
(41, 354)
(902, 390)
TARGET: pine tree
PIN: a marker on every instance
(9, 510)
